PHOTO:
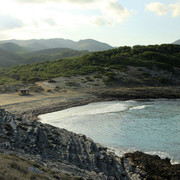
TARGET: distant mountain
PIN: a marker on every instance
(41, 44)
(177, 42)
(14, 52)
(92, 45)
(9, 59)
(19, 55)
(13, 48)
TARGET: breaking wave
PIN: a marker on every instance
(148, 126)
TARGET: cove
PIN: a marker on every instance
(151, 126)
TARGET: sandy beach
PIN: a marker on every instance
(37, 103)
(44, 102)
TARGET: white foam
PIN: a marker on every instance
(90, 109)
(138, 107)
(106, 109)
(111, 122)
(163, 155)
(121, 151)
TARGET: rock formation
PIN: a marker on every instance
(58, 147)
(75, 154)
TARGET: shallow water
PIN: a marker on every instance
(150, 126)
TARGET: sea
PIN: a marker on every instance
(151, 126)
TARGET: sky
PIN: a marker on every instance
(116, 22)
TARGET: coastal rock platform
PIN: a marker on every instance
(76, 154)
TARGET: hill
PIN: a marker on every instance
(9, 59)
(41, 44)
(52, 54)
(12, 54)
(92, 45)
(177, 42)
(13, 48)
(124, 66)
(15, 52)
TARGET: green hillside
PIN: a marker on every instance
(8, 59)
(13, 48)
(52, 54)
(11, 55)
(162, 59)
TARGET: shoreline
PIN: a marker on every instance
(93, 156)
(162, 154)
(42, 103)
(29, 110)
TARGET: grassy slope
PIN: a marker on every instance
(13, 167)
(164, 58)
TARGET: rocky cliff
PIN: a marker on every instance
(74, 154)
(59, 148)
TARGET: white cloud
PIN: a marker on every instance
(53, 18)
(54, 12)
(157, 7)
(58, 1)
(50, 21)
(9, 22)
(162, 9)
(101, 21)
(175, 9)
(116, 12)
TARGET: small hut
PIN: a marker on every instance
(23, 92)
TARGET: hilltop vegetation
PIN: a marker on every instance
(52, 54)
(148, 60)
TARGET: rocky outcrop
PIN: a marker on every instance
(139, 165)
(59, 148)
(74, 154)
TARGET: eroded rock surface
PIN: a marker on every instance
(150, 167)
(75, 154)
(55, 147)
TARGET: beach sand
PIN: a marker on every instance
(43, 102)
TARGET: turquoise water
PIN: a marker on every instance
(151, 126)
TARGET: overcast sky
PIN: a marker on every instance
(117, 22)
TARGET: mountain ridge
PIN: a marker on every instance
(15, 52)
(177, 42)
(40, 44)
(13, 48)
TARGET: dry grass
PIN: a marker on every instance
(13, 167)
